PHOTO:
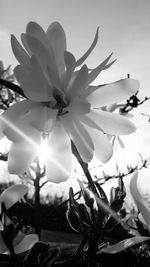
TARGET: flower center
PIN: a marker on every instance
(61, 103)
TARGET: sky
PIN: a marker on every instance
(124, 30)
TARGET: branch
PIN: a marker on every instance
(43, 184)
(130, 169)
(13, 87)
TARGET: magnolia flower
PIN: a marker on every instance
(62, 103)
(21, 242)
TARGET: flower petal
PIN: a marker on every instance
(45, 58)
(79, 107)
(21, 155)
(25, 43)
(111, 123)
(70, 65)
(11, 115)
(89, 122)
(79, 83)
(79, 136)
(35, 30)
(26, 244)
(57, 40)
(113, 92)
(59, 162)
(139, 200)
(42, 118)
(20, 131)
(95, 72)
(33, 82)
(102, 147)
(18, 109)
(88, 52)
(19, 52)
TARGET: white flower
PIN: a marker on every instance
(61, 102)
(21, 242)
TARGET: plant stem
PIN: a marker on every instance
(85, 168)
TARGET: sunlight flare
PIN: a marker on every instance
(19, 132)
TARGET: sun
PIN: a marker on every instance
(43, 151)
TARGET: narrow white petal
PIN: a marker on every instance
(33, 82)
(19, 52)
(88, 52)
(111, 123)
(79, 136)
(20, 131)
(25, 43)
(35, 30)
(113, 92)
(10, 118)
(11, 115)
(95, 72)
(89, 122)
(21, 155)
(42, 118)
(70, 65)
(45, 58)
(79, 107)
(57, 40)
(59, 160)
(79, 83)
(102, 147)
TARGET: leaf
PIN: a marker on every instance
(127, 243)
(80, 209)
(74, 221)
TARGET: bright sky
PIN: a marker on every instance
(124, 30)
